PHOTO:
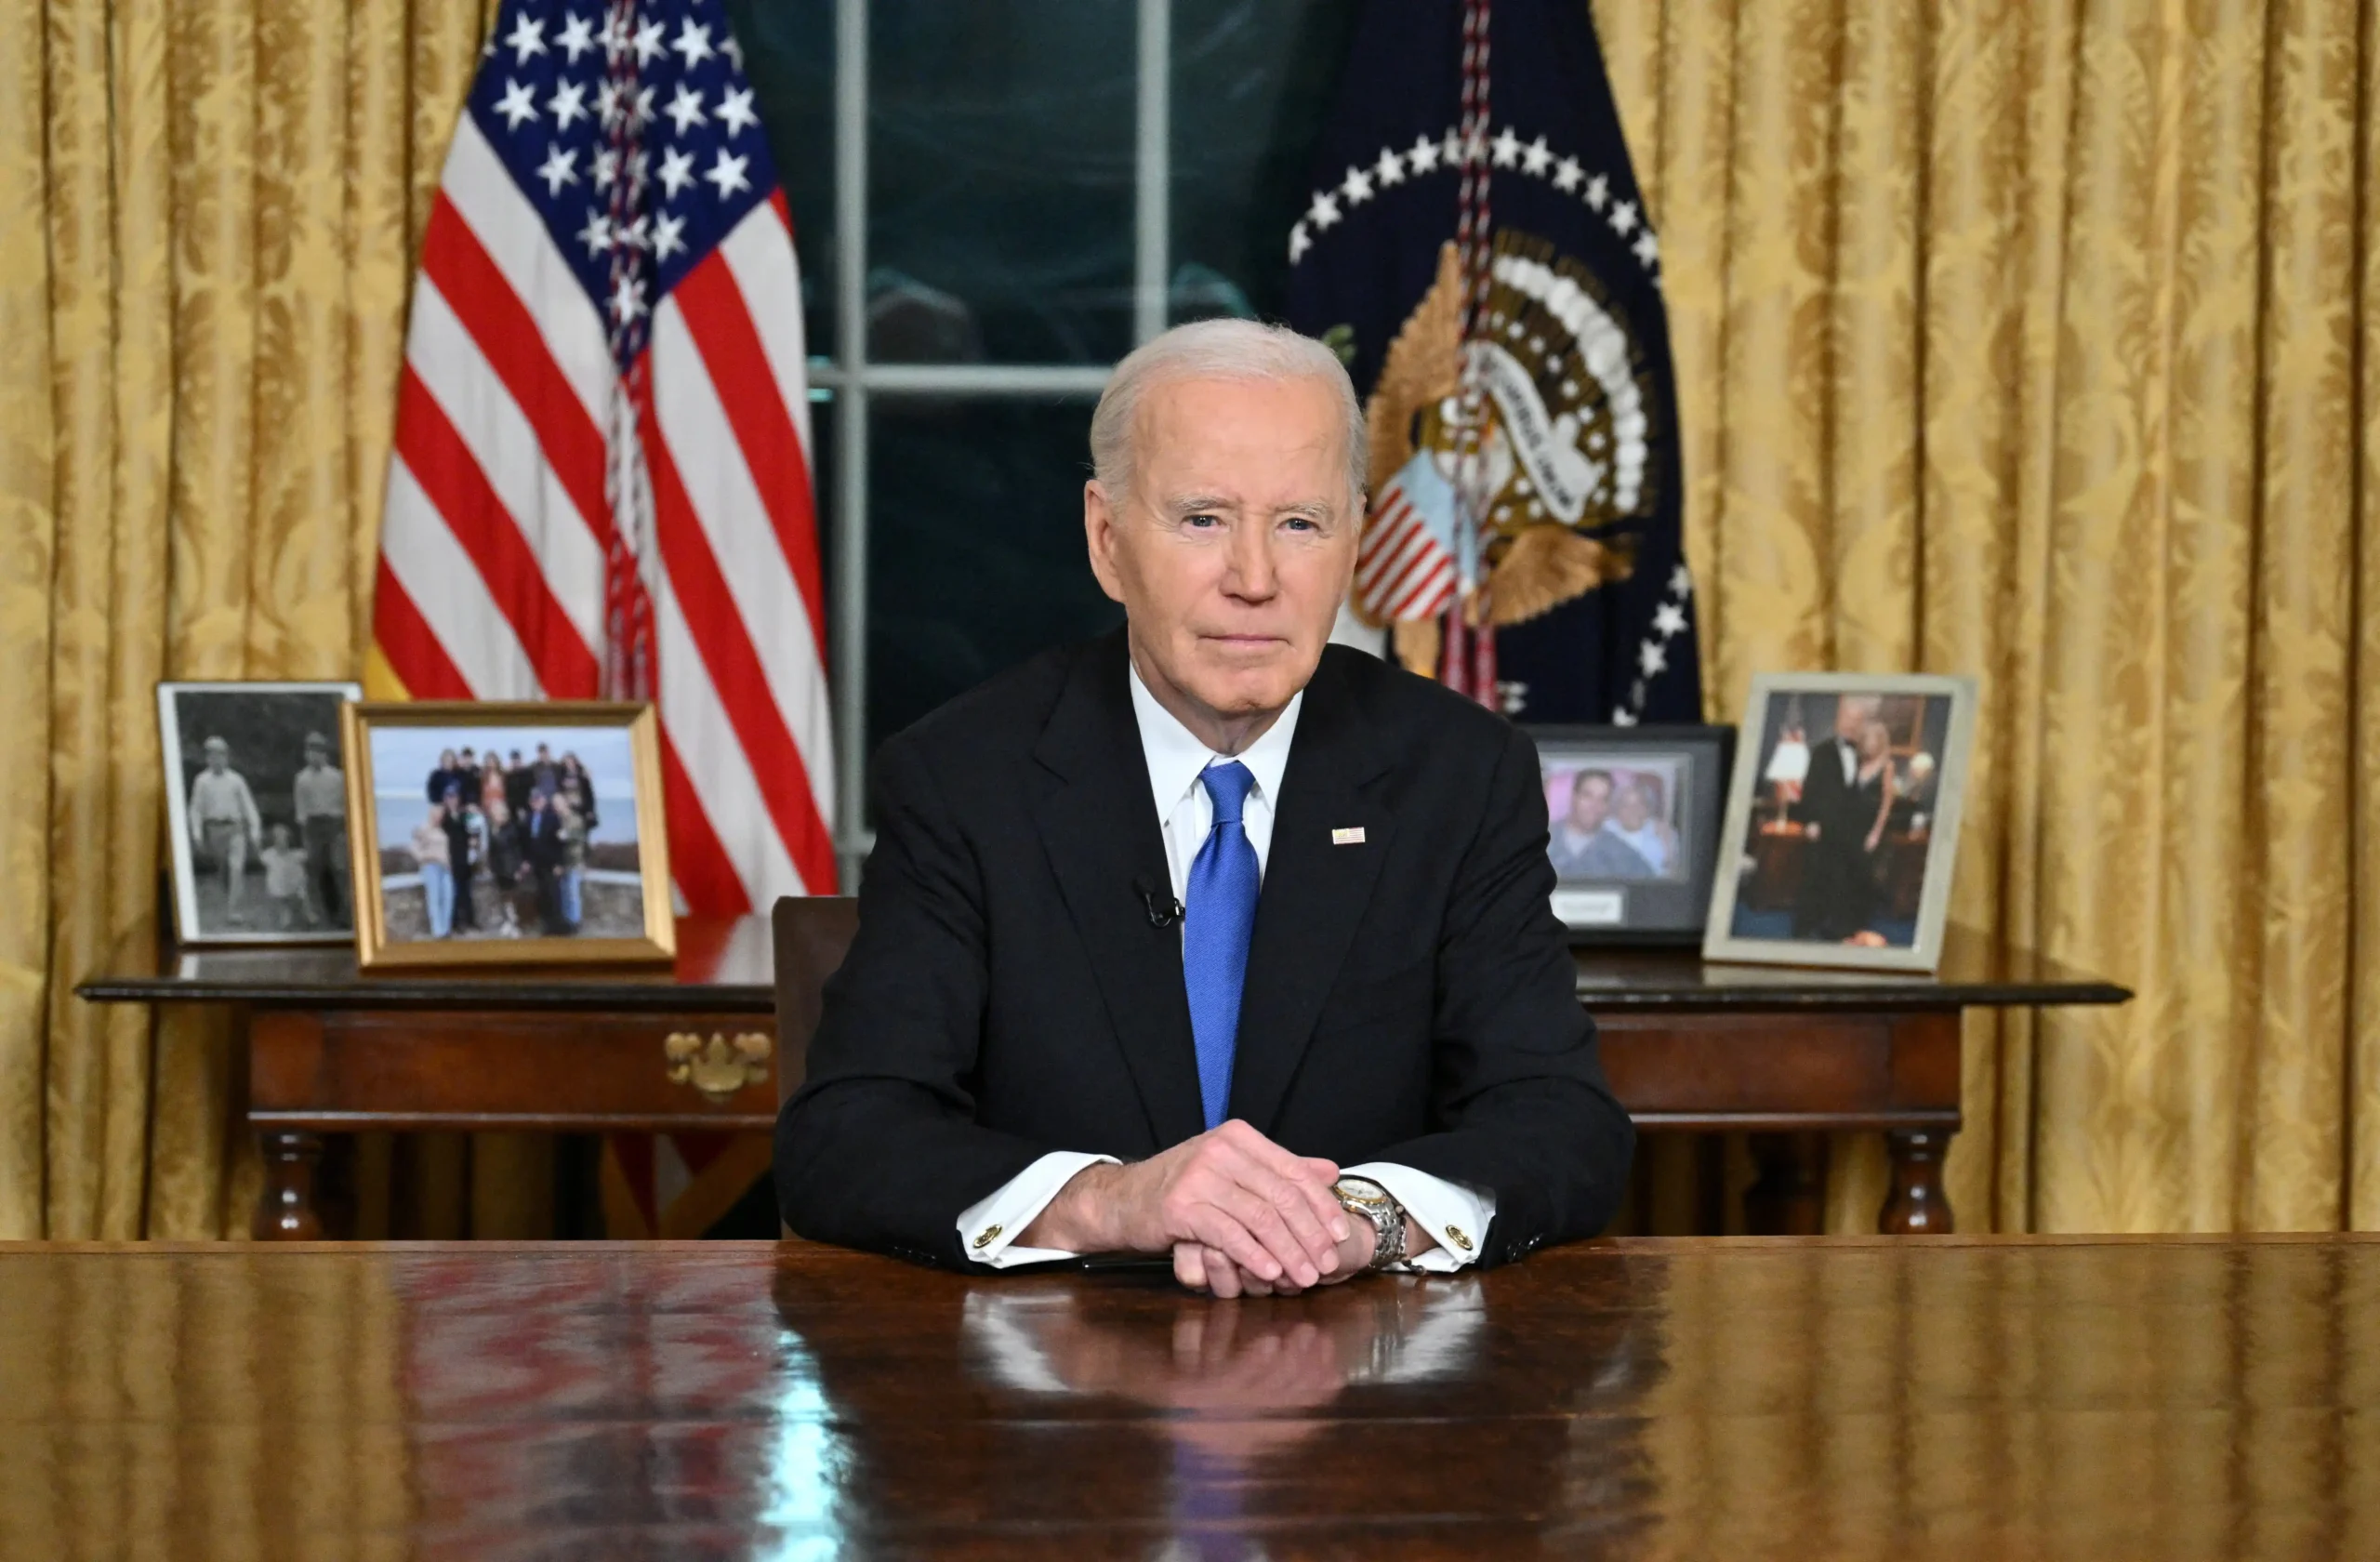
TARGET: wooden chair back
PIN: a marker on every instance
(813, 934)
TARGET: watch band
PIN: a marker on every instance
(1361, 1195)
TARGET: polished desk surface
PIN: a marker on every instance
(1849, 1399)
(727, 965)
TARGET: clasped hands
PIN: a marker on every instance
(1241, 1215)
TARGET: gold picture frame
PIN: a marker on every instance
(499, 876)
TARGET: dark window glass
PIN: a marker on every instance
(975, 557)
(1000, 181)
(1252, 82)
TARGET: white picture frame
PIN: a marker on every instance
(1866, 896)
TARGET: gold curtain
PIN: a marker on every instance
(2029, 339)
(208, 213)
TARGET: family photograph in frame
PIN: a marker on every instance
(507, 834)
(256, 811)
(1842, 821)
(1633, 817)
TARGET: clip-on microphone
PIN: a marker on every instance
(1163, 909)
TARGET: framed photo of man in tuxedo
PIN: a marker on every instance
(1842, 821)
(1633, 817)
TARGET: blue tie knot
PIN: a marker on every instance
(1227, 785)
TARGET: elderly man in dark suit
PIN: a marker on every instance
(1207, 939)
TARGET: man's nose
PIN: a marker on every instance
(1251, 575)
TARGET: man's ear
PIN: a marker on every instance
(1099, 522)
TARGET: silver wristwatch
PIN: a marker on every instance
(1361, 1195)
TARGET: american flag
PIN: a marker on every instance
(601, 485)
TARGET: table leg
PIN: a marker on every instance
(286, 1210)
(1790, 1198)
(1917, 1202)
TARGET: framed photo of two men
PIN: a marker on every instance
(1842, 821)
(1632, 819)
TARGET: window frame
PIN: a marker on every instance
(847, 379)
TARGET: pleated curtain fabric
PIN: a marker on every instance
(2037, 340)
(2025, 339)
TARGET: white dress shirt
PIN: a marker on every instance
(1456, 1216)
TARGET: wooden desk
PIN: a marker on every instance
(1689, 1047)
(1851, 1399)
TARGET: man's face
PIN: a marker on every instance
(1852, 713)
(216, 758)
(1632, 810)
(1590, 800)
(1235, 545)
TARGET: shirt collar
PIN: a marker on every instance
(1175, 756)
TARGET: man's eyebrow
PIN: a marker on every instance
(1184, 503)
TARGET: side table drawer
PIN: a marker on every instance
(449, 1069)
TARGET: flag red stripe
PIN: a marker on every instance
(1391, 535)
(507, 336)
(439, 461)
(405, 638)
(698, 861)
(1428, 595)
(1424, 559)
(735, 672)
(720, 322)
(1411, 543)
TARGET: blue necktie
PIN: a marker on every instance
(1215, 927)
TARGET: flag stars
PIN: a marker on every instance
(1567, 173)
(637, 168)
(577, 35)
(605, 170)
(1598, 192)
(615, 35)
(727, 174)
(1325, 210)
(1390, 169)
(527, 37)
(518, 104)
(1357, 187)
(1682, 582)
(677, 171)
(667, 236)
(1536, 157)
(1450, 149)
(1300, 241)
(1648, 248)
(1653, 659)
(1424, 155)
(1669, 620)
(560, 168)
(1506, 148)
(627, 303)
(648, 45)
(568, 104)
(735, 112)
(607, 103)
(685, 109)
(641, 112)
(637, 234)
(694, 43)
(734, 50)
(1623, 219)
(597, 234)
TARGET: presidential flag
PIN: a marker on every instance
(601, 484)
(600, 480)
(1476, 247)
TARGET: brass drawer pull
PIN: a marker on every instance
(718, 1068)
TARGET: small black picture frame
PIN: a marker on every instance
(1632, 816)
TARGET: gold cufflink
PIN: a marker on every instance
(992, 1232)
(1457, 1238)
(1354, 837)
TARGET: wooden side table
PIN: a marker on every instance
(1706, 1049)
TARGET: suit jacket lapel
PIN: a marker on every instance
(1099, 827)
(1315, 893)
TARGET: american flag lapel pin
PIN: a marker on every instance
(1354, 837)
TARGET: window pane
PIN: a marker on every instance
(789, 54)
(975, 549)
(1252, 81)
(1000, 181)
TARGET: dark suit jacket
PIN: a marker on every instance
(1834, 897)
(1408, 998)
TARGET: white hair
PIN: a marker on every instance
(1243, 349)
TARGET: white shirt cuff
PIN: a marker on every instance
(1455, 1216)
(989, 1229)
